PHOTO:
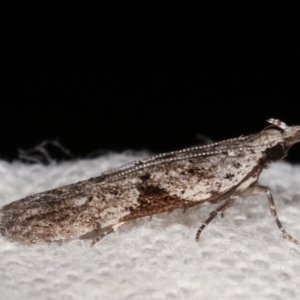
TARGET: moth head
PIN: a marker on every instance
(290, 134)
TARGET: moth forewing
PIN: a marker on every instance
(216, 173)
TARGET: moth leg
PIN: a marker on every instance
(263, 190)
(104, 233)
(213, 214)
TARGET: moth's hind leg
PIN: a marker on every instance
(105, 231)
(262, 190)
(213, 214)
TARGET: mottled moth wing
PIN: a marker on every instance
(214, 173)
(144, 188)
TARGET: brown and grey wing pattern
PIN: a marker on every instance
(144, 188)
(200, 179)
(47, 216)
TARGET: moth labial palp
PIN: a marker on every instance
(215, 173)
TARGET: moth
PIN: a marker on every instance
(216, 173)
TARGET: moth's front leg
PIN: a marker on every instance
(263, 190)
(213, 214)
(105, 232)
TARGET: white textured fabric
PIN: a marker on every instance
(242, 256)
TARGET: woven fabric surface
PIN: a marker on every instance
(240, 256)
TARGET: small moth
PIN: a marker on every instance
(217, 173)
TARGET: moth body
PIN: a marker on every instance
(216, 173)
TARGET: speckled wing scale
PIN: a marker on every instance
(216, 173)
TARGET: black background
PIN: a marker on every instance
(149, 77)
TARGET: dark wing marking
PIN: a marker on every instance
(154, 200)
